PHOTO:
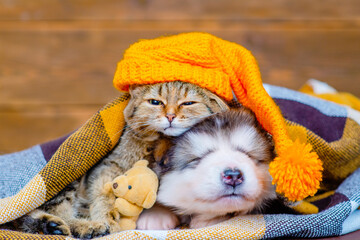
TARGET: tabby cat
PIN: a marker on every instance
(154, 112)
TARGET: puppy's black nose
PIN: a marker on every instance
(232, 177)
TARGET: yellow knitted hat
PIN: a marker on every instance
(224, 67)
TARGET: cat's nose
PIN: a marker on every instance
(170, 116)
(232, 177)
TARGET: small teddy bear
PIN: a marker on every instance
(134, 190)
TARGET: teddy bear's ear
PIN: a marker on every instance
(149, 200)
(143, 163)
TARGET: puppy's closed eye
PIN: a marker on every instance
(192, 163)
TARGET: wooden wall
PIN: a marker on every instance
(57, 58)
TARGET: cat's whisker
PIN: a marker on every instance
(138, 130)
(117, 133)
(197, 117)
(130, 127)
(139, 123)
(146, 123)
(138, 126)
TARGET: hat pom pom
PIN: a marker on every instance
(296, 171)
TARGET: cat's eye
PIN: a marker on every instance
(129, 187)
(155, 102)
(188, 103)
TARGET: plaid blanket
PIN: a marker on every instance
(31, 177)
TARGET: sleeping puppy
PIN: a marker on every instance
(217, 169)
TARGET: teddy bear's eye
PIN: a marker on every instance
(129, 187)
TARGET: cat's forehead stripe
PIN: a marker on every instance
(160, 89)
(185, 91)
(177, 89)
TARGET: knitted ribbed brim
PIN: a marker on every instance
(224, 67)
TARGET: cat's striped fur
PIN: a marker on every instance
(153, 113)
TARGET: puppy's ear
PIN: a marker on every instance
(162, 156)
(164, 163)
(162, 147)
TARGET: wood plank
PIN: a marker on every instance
(178, 25)
(47, 79)
(57, 58)
(26, 125)
(77, 67)
(167, 10)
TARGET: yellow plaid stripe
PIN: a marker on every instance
(128, 235)
(244, 227)
(29, 198)
(12, 235)
(340, 158)
(85, 147)
(113, 121)
(74, 157)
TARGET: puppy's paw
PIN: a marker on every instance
(201, 221)
(157, 218)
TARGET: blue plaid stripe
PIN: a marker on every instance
(17, 169)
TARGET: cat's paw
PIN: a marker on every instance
(89, 229)
(157, 218)
(55, 226)
(41, 222)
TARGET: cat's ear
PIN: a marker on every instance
(135, 90)
(136, 94)
(217, 104)
(129, 109)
